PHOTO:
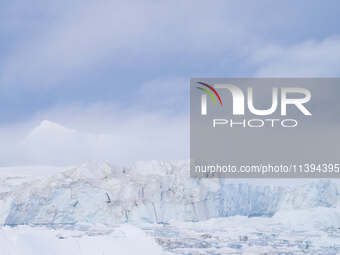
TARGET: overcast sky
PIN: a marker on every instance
(122, 69)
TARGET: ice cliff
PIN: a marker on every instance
(153, 192)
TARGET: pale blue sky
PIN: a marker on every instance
(120, 62)
(85, 52)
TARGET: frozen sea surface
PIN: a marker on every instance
(314, 231)
(296, 232)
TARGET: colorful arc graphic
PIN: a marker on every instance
(209, 93)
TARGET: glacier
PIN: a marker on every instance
(97, 207)
(149, 192)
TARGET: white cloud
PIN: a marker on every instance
(307, 59)
(96, 132)
(139, 33)
(154, 126)
(121, 33)
(169, 94)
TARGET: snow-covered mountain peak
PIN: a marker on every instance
(49, 127)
